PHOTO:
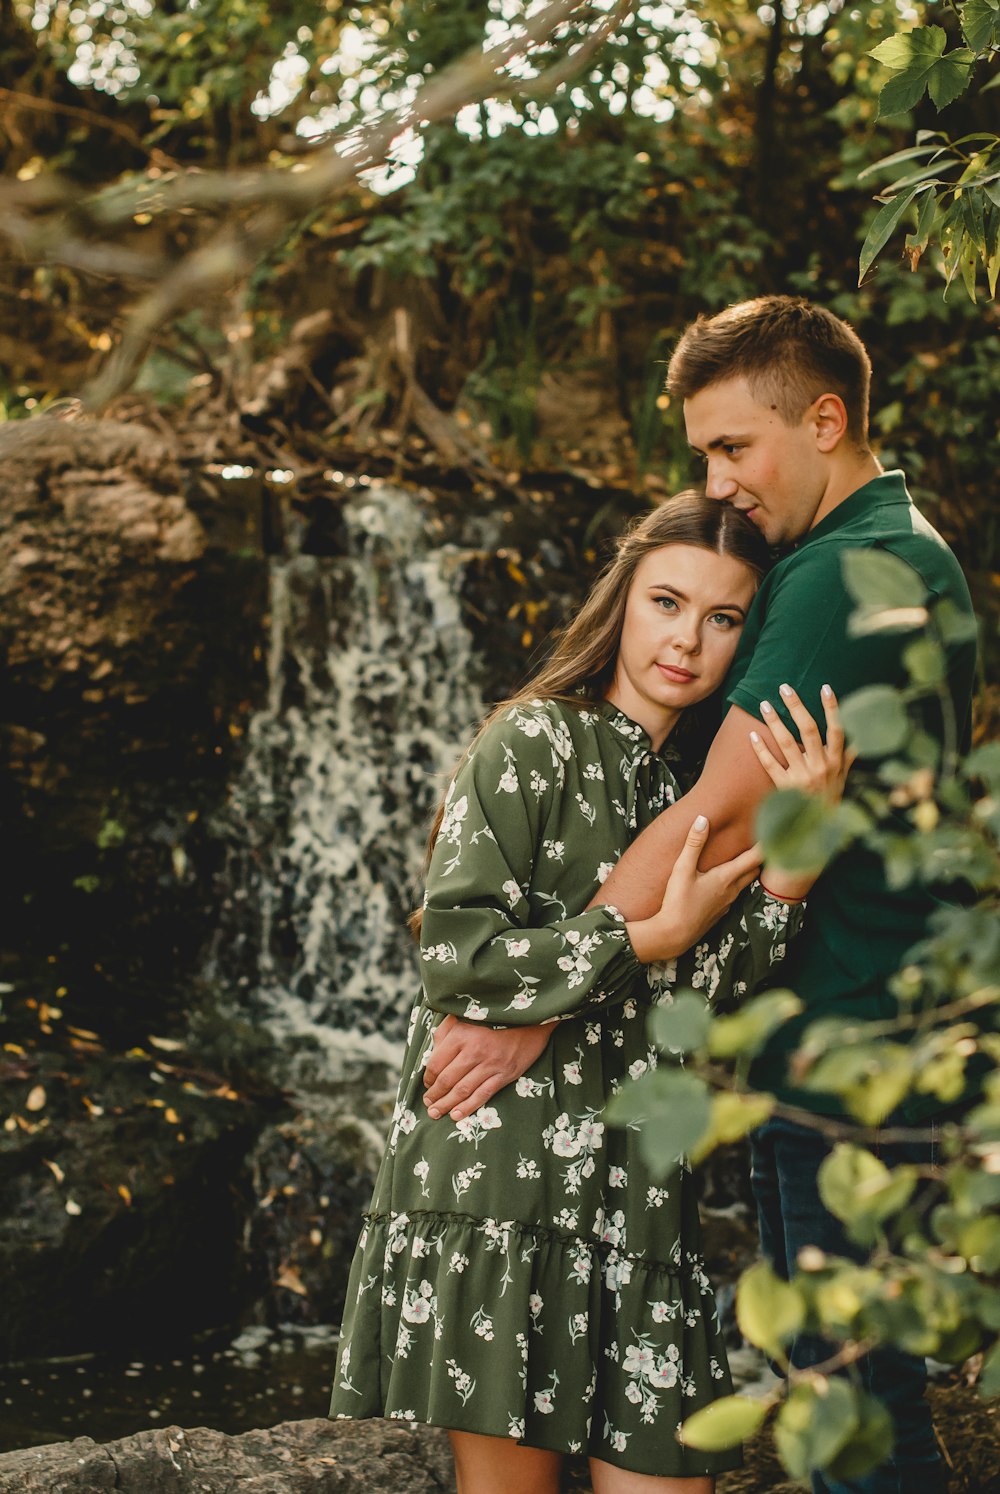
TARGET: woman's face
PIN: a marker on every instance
(683, 616)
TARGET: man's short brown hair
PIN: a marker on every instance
(788, 350)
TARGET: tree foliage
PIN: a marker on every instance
(930, 1284)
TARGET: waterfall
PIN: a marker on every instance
(372, 692)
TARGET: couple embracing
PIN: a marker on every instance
(521, 1280)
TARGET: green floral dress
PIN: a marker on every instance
(520, 1273)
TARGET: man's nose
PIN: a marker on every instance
(718, 485)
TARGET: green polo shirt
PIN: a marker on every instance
(857, 930)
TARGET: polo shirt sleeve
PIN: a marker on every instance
(804, 640)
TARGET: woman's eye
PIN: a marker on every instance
(667, 603)
(724, 620)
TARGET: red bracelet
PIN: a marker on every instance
(791, 901)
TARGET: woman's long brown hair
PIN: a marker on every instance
(581, 667)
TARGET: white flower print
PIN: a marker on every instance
(457, 1264)
(572, 1073)
(538, 783)
(594, 773)
(402, 1416)
(512, 892)
(528, 1168)
(421, 1171)
(517, 948)
(638, 1067)
(462, 1181)
(586, 809)
(475, 1126)
(515, 1426)
(463, 1382)
(617, 1177)
(664, 1312)
(555, 850)
(482, 1324)
(656, 1197)
(535, 1305)
(604, 871)
(419, 1303)
(475, 1011)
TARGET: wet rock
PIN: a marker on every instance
(122, 1201)
(297, 1457)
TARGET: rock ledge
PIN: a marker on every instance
(297, 1457)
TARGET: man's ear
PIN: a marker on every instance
(829, 421)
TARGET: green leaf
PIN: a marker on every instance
(870, 1443)
(733, 1117)
(723, 1424)
(877, 578)
(981, 24)
(882, 229)
(950, 77)
(920, 237)
(920, 47)
(925, 662)
(815, 1423)
(769, 1311)
(898, 157)
(791, 827)
(860, 1189)
(953, 623)
(989, 1375)
(670, 1108)
(682, 1025)
(875, 720)
(747, 1030)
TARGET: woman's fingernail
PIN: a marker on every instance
(433, 1112)
(766, 707)
(701, 823)
(826, 692)
(755, 738)
(786, 690)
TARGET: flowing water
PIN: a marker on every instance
(373, 688)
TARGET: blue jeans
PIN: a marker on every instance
(785, 1158)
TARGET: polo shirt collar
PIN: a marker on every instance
(885, 491)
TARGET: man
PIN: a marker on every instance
(775, 395)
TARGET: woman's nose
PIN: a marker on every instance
(686, 639)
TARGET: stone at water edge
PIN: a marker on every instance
(296, 1457)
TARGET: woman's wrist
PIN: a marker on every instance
(652, 941)
(785, 887)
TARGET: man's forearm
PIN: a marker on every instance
(730, 788)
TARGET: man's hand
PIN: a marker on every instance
(468, 1064)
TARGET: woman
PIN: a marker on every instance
(521, 1279)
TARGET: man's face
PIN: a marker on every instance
(773, 472)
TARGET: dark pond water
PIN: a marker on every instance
(262, 1377)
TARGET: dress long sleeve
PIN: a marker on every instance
(493, 948)
(739, 950)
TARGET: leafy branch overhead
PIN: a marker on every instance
(949, 189)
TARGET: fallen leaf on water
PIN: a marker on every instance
(55, 1169)
(72, 1207)
(94, 1110)
(125, 1193)
(15, 1048)
(170, 1114)
(289, 1278)
(167, 1045)
(36, 1098)
(84, 1032)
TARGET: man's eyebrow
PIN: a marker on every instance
(714, 445)
(676, 592)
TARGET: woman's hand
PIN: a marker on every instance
(694, 900)
(814, 767)
(469, 1063)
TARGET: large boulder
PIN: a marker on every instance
(297, 1457)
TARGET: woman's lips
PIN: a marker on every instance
(679, 676)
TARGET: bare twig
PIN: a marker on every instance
(92, 118)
